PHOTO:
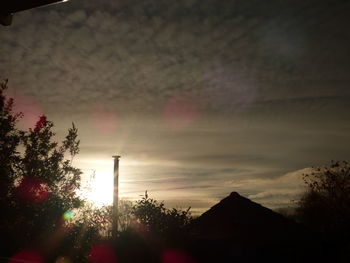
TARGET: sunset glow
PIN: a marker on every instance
(99, 190)
(98, 180)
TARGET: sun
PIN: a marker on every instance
(97, 183)
(99, 189)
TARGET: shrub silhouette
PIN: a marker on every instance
(325, 206)
(155, 218)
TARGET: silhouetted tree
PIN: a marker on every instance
(38, 182)
(154, 217)
(325, 206)
(10, 139)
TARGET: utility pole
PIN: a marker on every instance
(115, 197)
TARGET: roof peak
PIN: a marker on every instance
(235, 194)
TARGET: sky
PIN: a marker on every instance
(199, 97)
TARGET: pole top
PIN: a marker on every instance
(116, 157)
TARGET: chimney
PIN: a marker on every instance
(115, 197)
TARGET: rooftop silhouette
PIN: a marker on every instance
(239, 229)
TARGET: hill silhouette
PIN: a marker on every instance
(240, 230)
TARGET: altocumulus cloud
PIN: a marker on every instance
(136, 55)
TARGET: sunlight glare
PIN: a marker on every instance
(98, 186)
(101, 188)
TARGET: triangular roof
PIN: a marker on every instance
(237, 217)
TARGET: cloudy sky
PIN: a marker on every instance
(199, 97)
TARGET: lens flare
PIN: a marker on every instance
(30, 109)
(102, 254)
(32, 190)
(27, 256)
(179, 112)
(68, 215)
(103, 119)
(176, 256)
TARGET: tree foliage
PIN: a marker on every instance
(38, 181)
(154, 217)
(325, 206)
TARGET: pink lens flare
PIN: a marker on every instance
(26, 256)
(32, 190)
(179, 112)
(102, 254)
(176, 256)
(30, 109)
(103, 119)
